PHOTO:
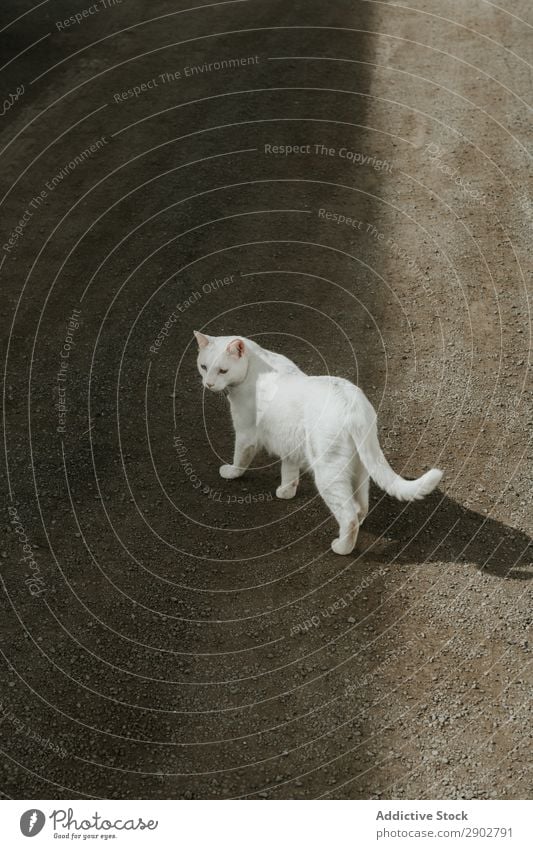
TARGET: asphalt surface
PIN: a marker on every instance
(347, 183)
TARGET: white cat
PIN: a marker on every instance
(322, 424)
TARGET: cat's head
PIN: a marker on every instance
(222, 361)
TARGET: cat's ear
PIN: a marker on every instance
(236, 348)
(202, 339)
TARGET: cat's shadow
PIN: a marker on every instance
(438, 529)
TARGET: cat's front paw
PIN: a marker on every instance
(288, 491)
(230, 472)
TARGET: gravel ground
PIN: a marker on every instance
(174, 635)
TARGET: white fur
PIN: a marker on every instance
(322, 424)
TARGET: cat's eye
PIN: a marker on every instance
(222, 371)
(204, 368)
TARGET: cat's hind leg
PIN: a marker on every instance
(335, 485)
(361, 487)
(290, 476)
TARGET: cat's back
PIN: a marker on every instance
(293, 408)
(279, 362)
(295, 397)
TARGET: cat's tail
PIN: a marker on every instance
(377, 466)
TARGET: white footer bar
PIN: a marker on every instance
(268, 824)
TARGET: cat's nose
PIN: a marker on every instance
(209, 385)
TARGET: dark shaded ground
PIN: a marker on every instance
(194, 637)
